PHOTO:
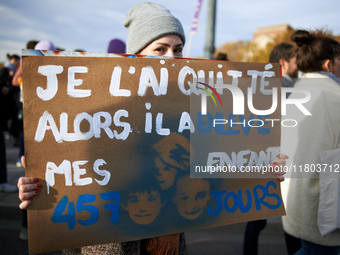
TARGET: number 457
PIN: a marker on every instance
(83, 205)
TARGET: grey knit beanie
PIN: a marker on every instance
(148, 21)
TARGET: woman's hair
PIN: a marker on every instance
(14, 56)
(313, 49)
(31, 44)
(284, 51)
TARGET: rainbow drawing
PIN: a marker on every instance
(211, 95)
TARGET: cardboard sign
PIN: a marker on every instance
(114, 140)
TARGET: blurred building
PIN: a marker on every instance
(265, 35)
(337, 38)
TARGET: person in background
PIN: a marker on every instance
(222, 56)
(6, 107)
(14, 59)
(12, 98)
(116, 46)
(318, 58)
(45, 45)
(7, 98)
(17, 82)
(17, 76)
(285, 55)
(16, 128)
(4, 185)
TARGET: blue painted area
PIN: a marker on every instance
(82, 200)
(233, 124)
(265, 190)
(69, 218)
(219, 202)
(232, 201)
(242, 200)
(83, 205)
(114, 206)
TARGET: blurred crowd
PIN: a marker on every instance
(11, 118)
(11, 109)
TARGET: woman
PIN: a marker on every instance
(152, 31)
(165, 38)
(318, 57)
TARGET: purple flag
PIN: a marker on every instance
(195, 20)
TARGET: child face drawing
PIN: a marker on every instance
(192, 196)
(144, 208)
(166, 174)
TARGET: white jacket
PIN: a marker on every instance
(302, 144)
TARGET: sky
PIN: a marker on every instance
(91, 24)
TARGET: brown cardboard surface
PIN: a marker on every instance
(109, 174)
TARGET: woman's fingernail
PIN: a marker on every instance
(39, 185)
(31, 199)
(274, 163)
(37, 190)
(36, 179)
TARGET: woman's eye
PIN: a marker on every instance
(178, 50)
(160, 50)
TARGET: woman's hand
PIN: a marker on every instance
(278, 165)
(28, 188)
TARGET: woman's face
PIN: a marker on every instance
(165, 46)
(166, 174)
(15, 62)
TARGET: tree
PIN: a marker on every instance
(247, 51)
